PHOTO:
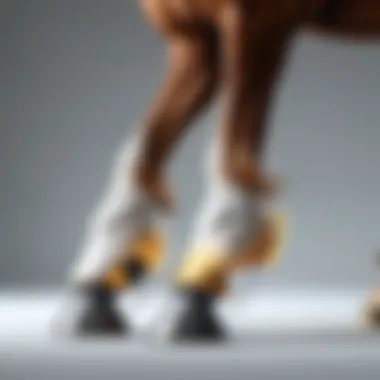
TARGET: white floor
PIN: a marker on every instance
(278, 335)
(27, 315)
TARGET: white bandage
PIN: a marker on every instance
(230, 218)
(124, 213)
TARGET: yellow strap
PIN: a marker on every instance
(266, 249)
(116, 279)
(207, 270)
(149, 250)
(203, 270)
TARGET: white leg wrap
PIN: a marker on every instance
(124, 212)
(230, 217)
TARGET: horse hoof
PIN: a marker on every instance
(101, 322)
(197, 322)
(92, 313)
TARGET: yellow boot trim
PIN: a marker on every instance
(204, 270)
(266, 249)
(116, 279)
(148, 250)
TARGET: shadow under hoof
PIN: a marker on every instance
(199, 334)
(102, 323)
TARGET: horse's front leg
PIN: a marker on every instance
(123, 241)
(233, 230)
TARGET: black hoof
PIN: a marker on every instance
(101, 316)
(197, 321)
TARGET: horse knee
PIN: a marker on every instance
(248, 175)
(238, 168)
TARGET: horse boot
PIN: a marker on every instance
(92, 307)
(102, 315)
(123, 244)
(203, 281)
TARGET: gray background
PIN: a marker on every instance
(76, 75)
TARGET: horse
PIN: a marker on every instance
(233, 48)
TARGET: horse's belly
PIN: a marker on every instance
(350, 18)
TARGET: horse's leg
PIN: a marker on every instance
(358, 19)
(122, 244)
(372, 308)
(233, 231)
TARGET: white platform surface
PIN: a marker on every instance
(275, 335)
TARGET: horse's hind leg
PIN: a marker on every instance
(372, 308)
(372, 311)
(233, 231)
(123, 241)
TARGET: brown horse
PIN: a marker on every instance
(236, 48)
